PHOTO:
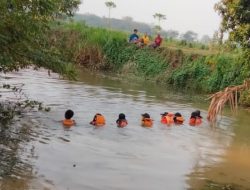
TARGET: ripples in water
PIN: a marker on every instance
(84, 157)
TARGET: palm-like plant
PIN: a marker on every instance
(159, 17)
(110, 5)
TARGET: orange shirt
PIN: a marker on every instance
(145, 39)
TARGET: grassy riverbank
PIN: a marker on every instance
(102, 49)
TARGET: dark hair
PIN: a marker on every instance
(164, 114)
(177, 114)
(145, 115)
(135, 30)
(69, 114)
(122, 116)
(196, 114)
(193, 114)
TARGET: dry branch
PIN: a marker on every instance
(229, 95)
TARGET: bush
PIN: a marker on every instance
(191, 75)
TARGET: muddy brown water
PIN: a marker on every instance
(47, 156)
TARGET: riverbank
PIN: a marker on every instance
(105, 50)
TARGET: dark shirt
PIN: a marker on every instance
(133, 37)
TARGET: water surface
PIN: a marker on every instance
(132, 158)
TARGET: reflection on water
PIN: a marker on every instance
(235, 168)
(15, 152)
(84, 157)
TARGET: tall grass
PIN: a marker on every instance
(100, 48)
(210, 73)
(79, 43)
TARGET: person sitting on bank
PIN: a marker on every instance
(98, 120)
(121, 121)
(134, 38)
(157, 41)
(196, 118)
(68, 121)
(145, 40)
(146, 121)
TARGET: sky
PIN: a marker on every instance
(182, 15)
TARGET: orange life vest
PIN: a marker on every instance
(179, 120)
(68, 122)
(100, 120)
(163, 119)
(147, 122)
(168, 119)
(198, 121)
(195, 121)
(192, 121)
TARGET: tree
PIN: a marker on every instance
(216, 38)
(206, 39)
(159, 17)
(110, 5)
(190, 36)
(236, 20)
(172, 34)
(23, 26)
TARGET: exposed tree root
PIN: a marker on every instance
(229, 95)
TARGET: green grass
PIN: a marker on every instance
(188, 66)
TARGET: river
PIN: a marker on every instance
(50, 157)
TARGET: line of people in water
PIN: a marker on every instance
(167, 118)
(144, 40)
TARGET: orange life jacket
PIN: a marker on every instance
(198, 121)
(122, 123)
(147, 122)
(163, 119)
(68, 122)
(195, 121)
(168, 119)
(192, 121)
(179, 120)
(100, 120)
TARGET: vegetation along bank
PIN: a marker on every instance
(105, 50)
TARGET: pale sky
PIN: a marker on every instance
(182, 15)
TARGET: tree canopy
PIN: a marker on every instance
(172, 34)
(23, 24)
(110, 4)
(190, 36)
(236, 20)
